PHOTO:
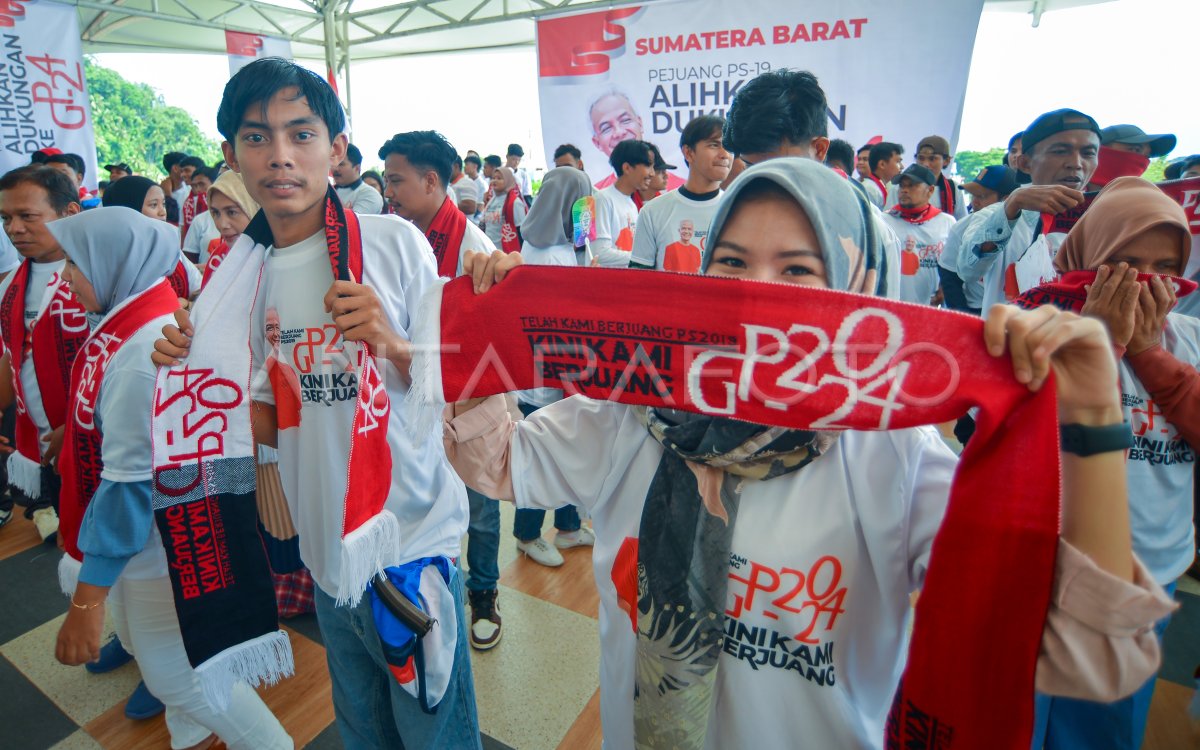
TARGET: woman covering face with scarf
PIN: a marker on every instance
(117, 264)
(1135, 237)
(754, 581)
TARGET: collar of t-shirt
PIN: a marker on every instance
(299, 252)
(39, 277)
(699, 197)
(352, 186)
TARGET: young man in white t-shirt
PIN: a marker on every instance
(283, 132)
(672, 229)
(922, 229)
(462, 189)
(472, 165)
(886, 161)
(355, 194)
(933, 153)
(616, 213)
(512, 160)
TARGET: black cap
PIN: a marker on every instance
(916, 172)
(1160, 145)
(119, 165)
(1056, 122)
(660, 164)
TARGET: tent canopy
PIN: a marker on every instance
(364, 29)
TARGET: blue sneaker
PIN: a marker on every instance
(112, 655)
(143, 705)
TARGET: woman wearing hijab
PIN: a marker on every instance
(1135, 238)
(231, 209)
(505, 212)
(802, 547)
(117, 264)
(548, 231)
(139, 193)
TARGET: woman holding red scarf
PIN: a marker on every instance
(754, 581)
(505, 212)
(117, 264)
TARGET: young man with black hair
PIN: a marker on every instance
(174, 185)
(785, 113)
(283, 129)
(933, 153)
(672, 229)
(922, 229)
(118, 170)
(567, 155)
(862, 162)
(355, 194)
(1060, 151)
(512, 160)
(196, 202)
(36, 308)
(616, 211)
(886, 161)
(840, 156)
(416, 172)
(658, 179)
(472, 165)
(1013, 156)
(462, 189)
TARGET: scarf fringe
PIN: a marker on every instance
(426, 397)
(264, 660)
(25, 475)
(68, 574)
(366, 551)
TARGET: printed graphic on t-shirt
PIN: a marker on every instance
(308, 367)
(805, 606)
(683, 257)
(1155, 440)
(917, 256)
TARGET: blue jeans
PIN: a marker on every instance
(1067, 724)
(483, 542)
(527, 524)
(373, 712)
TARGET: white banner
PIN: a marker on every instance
(896, 68)
(43, 94)
(244, 49)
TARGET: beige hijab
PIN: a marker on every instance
(1125, 208)
(230, 185)
(510, 179)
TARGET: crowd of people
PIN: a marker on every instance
(217, 267)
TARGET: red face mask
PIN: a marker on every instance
(1114, 164)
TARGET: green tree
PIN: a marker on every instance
(970, 162)
(133, 124)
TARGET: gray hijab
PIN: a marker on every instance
(850, 245)
(119, 250)
(548, 222)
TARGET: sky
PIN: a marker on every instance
(1115, 61)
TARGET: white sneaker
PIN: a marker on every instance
(540, 551)
(583, 537)
(46, 521)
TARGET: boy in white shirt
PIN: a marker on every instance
(616, 213)
(355, 194)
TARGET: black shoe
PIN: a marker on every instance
(485, 619)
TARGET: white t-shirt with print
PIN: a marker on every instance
(493, 216)
(659, 240)
(616, 223)
(921, 247)
(1160, 465)
(862, 517)
(201, 232)
(427, 497)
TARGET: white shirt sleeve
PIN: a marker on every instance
(645, 252)
(199, 233)
(368, 201)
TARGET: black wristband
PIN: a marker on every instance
(1082, 440)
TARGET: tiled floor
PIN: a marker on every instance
(537, 690)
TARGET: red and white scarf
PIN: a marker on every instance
(749, 355)
(58, 334)
(510, 241)
(445, 234)
(194, 205)
(199, 436)
(915, 215)
(80, 462)
(217, 250)
(882, 187)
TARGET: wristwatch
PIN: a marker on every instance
(1083, 440)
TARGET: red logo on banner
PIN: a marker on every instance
(243, 45)
(10, 10)
(581, 45)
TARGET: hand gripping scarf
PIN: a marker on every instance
(445, 234)
(803, 359)
(59, 332)
(204, 471)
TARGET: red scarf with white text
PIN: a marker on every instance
(57, 336)
(194, 205)
(510, 241)
(1069, 291)
(750, 356)
(445, 234)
